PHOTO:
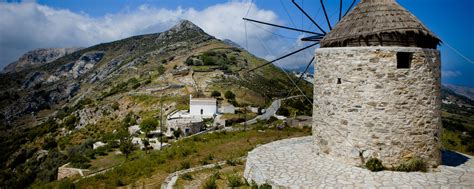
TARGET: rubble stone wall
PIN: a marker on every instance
(364, 106)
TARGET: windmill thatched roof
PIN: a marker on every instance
(380, 22)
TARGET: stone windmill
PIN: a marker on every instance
(377, 85)
(377, 88)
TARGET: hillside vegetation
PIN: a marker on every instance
(52, 113)
(458, 122)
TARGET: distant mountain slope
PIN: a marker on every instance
(38, 57)
(232, 43)
(465, 91)
(456, 103)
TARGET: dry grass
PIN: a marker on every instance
(105, 162)
(150, 170)
(200, 177)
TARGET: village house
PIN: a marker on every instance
(192, 121)
(202, 107)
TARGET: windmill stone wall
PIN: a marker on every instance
(365, 106)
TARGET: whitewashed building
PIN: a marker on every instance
(203, 107)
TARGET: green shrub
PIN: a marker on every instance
(413, 165)
(177, 133)
(129, 120)
(70, 122)
(134, 83)
(79, 161)
(120, 182)
(216, 175)
(185, 165)
(210, 183)
(210, 157)
(231, 162)
(187, 176)
(66, 184)
(283, 111)
(204, 162)
(265, 186)
(189, 62)
(234, 181)
(229, 95)
(215, 94)
(115, 106)
(161, 70)
(148, 125)
(49, 143)
(470, 148)
(101, 151)
(60, 114)
(253, 185)
(374, 164)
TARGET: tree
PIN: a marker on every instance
(283, 111)
(71, 121)
(161, 70)
(146, 144)
(229, 95)
(189, 62)
(129, 120)
(126, 144)
(215, 94)
(177, 133)
(148, 125)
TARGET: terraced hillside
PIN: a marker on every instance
(49, 112)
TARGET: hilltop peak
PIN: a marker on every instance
(185, 28)
(185, 25)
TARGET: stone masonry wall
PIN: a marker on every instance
(377, 110)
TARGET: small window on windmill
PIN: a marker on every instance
(404, 60)
(339, 81)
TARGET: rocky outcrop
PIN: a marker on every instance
(81, 66)
(38, 57)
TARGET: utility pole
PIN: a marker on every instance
(245, 118)
(161, 123)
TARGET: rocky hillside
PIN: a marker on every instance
(38, 57)
(464, 91)
(47, 109)
(458, 121)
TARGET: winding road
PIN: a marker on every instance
(270, 111)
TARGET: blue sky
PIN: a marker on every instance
(450, 20)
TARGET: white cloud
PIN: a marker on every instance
(28, 25)
(450, 74)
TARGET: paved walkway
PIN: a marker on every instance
(292, 164)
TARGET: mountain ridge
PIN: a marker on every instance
(38, 57)
(467, 92)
